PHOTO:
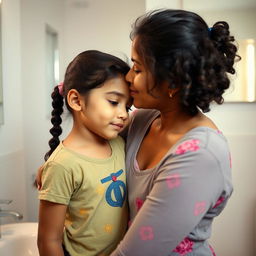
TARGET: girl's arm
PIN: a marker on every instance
(50, 229)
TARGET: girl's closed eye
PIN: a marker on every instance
(113, 102)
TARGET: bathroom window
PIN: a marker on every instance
(52, 63)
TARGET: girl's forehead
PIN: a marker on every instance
(117, 83)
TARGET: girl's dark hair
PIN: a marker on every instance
(177, 46)
(87, 71)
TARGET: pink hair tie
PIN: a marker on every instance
(60, 87)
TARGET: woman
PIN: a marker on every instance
(177, 160)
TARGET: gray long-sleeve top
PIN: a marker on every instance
(172, 205)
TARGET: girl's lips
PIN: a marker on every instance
(118, 126)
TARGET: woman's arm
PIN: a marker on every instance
(50, 229)
(38, 180)
(184, 190)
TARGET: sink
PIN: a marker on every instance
(19, 239)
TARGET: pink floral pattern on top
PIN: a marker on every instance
(139, 202)
(173, 181)
(220, 200)
(146, 233)
(213, 252)
(200, 207)
(184, 247)
(189, 145)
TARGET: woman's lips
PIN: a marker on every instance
(133, 92)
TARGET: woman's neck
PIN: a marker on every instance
(177, 121)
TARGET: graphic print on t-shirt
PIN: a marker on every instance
(116, 191)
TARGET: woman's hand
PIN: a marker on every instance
(38, 180)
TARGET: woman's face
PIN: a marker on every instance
(141, 83)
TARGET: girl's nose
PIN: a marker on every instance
(123, 114)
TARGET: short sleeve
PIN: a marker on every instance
(57, 184)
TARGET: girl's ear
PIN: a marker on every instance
(74, 100)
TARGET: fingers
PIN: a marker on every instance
(38, 180)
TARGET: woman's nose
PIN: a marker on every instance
(128, 76)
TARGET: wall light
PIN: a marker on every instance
(250, 70)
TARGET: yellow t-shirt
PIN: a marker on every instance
(95, 192)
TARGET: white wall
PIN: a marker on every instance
(12, 171)
(234, 231)
(35, 14)
(101, 25)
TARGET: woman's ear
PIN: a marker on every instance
(172, 92)
(74, 100)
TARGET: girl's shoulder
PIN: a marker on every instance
(118, 144)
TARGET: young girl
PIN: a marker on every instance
(83, 181)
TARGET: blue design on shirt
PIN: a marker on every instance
(116, 186)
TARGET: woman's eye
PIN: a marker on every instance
(136, 70)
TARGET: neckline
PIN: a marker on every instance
(145, 129)
(91, 159)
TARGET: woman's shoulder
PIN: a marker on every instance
(204, 141)
(144, 113)
(142, 117)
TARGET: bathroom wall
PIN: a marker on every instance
(101, 25)
(35, 16)
(12, 167)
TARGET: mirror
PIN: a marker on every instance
(1, 84)
(242, 19)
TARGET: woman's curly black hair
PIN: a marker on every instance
(177, 46)
(89, 70)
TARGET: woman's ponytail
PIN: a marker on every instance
(224, 43)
